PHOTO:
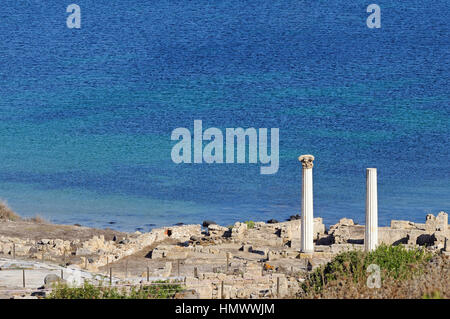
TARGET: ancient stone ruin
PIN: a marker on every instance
(246, 260)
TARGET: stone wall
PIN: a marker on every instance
(433, 233)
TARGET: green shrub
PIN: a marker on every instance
(159, 290)
(88, 291)
(395, 262)
(250, 224)
(399, 262)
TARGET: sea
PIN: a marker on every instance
(86, 114)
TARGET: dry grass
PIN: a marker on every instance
(7, 213)
(432, 281)
(38, 219)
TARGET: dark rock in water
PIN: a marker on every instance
(111, 223)
(139, 228)
(178, 224)
(294, 217)
(206, 223)
(272, 221)
(114, 238)
(150, 225)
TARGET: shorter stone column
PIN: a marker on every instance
(371, 231)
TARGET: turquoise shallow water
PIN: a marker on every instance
(86, 115)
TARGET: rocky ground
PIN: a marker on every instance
(248, 260)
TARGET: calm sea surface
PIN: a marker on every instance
(86, 115)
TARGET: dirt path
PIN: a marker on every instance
(37, 231)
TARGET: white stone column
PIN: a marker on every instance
(307, 226)
(371, 232)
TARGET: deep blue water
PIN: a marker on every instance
(86, 115)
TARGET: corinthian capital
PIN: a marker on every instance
(306, 160)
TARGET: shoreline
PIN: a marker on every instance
(112, 225)
(146, 223)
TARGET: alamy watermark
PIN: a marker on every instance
(73, 21)
(235, 140)
(374, 279)
(374, 19)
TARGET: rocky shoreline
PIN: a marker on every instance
(247, 260)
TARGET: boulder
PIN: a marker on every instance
(346, 232)
(51, 279)
(184, 233)
(402, 224)
(346, 222)
(216, 230)
(238, 230)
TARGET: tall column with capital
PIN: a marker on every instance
(307, 226)
(371, 232)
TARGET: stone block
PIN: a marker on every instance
(402, 224)
(238, 230)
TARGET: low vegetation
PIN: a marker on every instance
(159, 290)
(7, 213)
(37, 219)
(404, 273)
(250, 224)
